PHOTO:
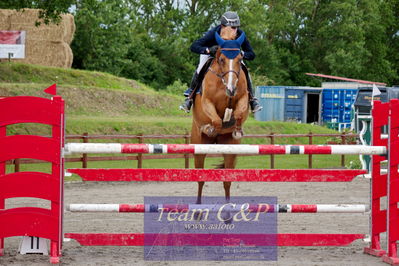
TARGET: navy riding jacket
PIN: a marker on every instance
(209, 40)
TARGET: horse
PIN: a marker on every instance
(221, 109)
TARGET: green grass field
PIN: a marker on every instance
(100, 103)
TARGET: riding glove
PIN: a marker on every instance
(213, 50)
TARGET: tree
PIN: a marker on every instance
(51, 10)
(149, 40)
(389, 12)
(103, 36)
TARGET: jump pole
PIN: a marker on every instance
(273, 208)
(111, 239)
(217, 175)
(71, 148)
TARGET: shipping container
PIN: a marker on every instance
(294, 105)
(302, 104)
(271, 98)
(337, 107)
(289, 103)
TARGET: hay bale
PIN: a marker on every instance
(46, 45)
(70, 27)
(25, 20)
(69, 55)
(57, 54)
(5, 19)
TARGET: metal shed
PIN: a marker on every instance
(289, 103)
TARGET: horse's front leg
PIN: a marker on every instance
(239, 114)
(210, 110)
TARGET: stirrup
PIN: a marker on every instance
(255, 106)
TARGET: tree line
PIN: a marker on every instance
(149, 40)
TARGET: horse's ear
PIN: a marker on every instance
(241, 39)
(219, 39)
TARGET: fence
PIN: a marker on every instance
(342, 138)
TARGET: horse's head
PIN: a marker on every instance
(229, 60)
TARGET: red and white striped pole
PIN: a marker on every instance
(222, 149)
(273, 208)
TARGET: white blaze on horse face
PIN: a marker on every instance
(230, 86)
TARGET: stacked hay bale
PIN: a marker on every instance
(4, 19)
(46, 45)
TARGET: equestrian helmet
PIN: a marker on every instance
(231, 19)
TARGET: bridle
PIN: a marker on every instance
(223, 74)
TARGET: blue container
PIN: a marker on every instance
(337, 105)
(288, 103)
(271, 98)
(294, 104)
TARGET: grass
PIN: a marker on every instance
(100, 103)
(23, 74)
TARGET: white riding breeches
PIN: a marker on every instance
(203, 59)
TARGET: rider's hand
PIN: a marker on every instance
(213, 50)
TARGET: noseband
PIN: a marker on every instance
(223, 74)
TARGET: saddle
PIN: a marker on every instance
(198, 85)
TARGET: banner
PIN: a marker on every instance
(12, 44)
(241, 229)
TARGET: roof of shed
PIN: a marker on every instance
(346, 79)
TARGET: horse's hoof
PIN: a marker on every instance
(209, 130)
(237, 134)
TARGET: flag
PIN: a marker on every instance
(376, 91)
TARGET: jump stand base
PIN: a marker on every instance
(54, 260)
(374, 252)
(390, 260)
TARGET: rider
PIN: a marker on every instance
(207, 47)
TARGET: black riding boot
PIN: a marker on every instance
(253, 102)
(190, 94)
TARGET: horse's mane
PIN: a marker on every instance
(227, 33)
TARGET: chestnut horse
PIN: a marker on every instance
(222, 108)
